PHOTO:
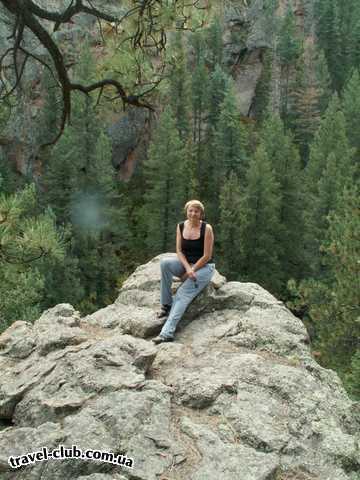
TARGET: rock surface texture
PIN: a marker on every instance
(237, 396)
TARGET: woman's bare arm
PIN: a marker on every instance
(208, 248)
(179, 253)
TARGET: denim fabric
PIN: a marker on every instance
(185, 293)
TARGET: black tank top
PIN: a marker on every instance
(193, 249)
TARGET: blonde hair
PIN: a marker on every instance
(195, 203)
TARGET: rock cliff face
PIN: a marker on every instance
(237, 396)
(249, 31)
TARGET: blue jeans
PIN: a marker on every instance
(185, 293)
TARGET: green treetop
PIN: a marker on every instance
(164, 196)
(309, 98)
(260, 224)
(330, 168)
(231, 138)
(285, 161)
(289, 49)
(330, 138)
(334, 301)
(218, 86)
(230, 227)
(289, 46)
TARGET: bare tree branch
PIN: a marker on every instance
(130, 99)
(16, 260)
(149, 34)
(66, 16)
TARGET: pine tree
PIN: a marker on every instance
(331, 137)
(338, 33)
(164, 196)
(289, 49)
(214, 44)
(62, 277)
(209, 180)
(28, 240)
(231, 138)
(228, 151)
(354, 41)
(188, 173)
(322, 79)
(135, 252)
(330, 168)
(80, 186)
(289, 46)
(343, 250)
(100, 227)
(351, 108)
(179, 95)
(309, 99)
(262, 89)
(285, 162)
(180, 89)
(333, 300)
(199, 110)
(260, 224)
(219, 84)
(60, 177)
(230, 227)
(350, 37)
(336, 58)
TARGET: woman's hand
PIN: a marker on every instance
(189, 274)
(192, 275)
(184, 277)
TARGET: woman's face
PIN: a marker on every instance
(193, 213)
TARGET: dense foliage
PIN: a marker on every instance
(281, 189)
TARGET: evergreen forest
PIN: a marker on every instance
(280, 183)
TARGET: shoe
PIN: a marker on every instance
(164, 312)
(161, 339)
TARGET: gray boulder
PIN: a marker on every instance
(237, 395)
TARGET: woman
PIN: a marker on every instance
(194, 265)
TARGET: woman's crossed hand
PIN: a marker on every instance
(189, 274)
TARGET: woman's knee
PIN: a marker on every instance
(205, 274)
(172, 264)
(164, 263)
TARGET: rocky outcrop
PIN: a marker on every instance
(250, 29)
(129, 138)
(238, 395)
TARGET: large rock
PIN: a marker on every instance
(237, 395)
